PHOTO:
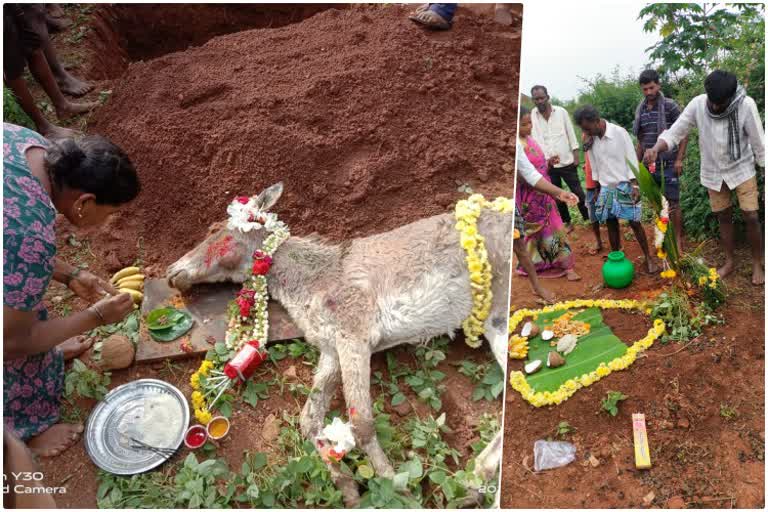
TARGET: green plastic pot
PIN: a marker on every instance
(618, 271)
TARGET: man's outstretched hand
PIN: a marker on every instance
(650, 156)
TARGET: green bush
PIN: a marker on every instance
(12, 112)
(615, 96)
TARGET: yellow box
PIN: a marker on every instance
(642, 450)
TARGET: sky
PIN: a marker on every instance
(566, 40)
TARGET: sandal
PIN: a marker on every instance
(430, 20)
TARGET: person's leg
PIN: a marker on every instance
(725, 219)
(748, 195)
(435, 16)
(27, 104)
(65, 109)
(56, 19)
(672, 193)
(755, 236)
(43, 433)
(590, 199)
(613, 234)
(68, 83)
(598, 248)
(525, 261)
(446, 11)
(562, 208)
(720, 202)
(34, 36)
(639, 232)
(571, 177)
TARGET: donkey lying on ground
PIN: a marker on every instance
(362, 296)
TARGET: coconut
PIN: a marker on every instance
(529, 330)
(547, 335)
(117, 353)
(533, 366)
(554, 360)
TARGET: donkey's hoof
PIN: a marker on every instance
(473, 499)
(349, 492)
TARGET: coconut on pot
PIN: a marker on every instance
(533, 367)
(529, 330)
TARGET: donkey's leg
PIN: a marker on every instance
(355, 360)
(496, 332)
(327, 379)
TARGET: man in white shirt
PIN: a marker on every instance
(618, 196)
(528, 172)
(553, 131)
(731, 143)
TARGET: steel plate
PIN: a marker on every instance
(112, 421)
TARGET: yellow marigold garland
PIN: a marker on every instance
(569, 387)
(480, 273)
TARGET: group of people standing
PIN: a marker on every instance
(732, 146)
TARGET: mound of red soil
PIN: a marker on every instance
(370, 122)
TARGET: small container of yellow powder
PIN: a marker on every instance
(218, 427)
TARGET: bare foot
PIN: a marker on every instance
(726, 269)
(74, 86)
(503, 16)
(595, 249)
(55, 10)
(57, 24)
(545, 294)
(55, 440)
(53, 132)
(758, 274)
(71, 109)
(73, 347)
(571, 275)
(650, 266)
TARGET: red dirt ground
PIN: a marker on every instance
(700, 458)
(371, 123)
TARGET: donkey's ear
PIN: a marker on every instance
(269, 197)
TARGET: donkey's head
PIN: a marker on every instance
(226, 253)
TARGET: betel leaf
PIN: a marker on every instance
(163, 318)
(175, 331)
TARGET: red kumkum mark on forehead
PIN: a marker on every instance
(218, 250)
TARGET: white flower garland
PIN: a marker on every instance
(246, 216)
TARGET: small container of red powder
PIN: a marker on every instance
(195, 437)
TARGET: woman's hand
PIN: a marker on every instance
(568, 198)
(111, 310)
(90, 287)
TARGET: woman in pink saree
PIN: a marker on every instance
(544, 236)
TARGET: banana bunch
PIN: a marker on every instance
(130, 280)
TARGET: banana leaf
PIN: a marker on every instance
(653, 193)
(175, 331)
(599, 346)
